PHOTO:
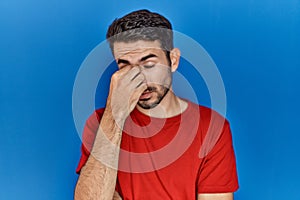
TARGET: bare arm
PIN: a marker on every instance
(217, 196)
(116, 196)
(98, 177)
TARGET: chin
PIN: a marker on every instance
(147, 105)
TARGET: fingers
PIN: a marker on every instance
(137, 81)
(132, 78)
(128, 72)
(123, 70)
(136, 94)
(118, 75)
(127, 85)
(133, 73)
(140, 89)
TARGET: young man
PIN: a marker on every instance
(147, 143)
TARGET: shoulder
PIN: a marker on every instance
(96, 115)
(93, 120)
(212, 125)
(208, 115)
(214, 130)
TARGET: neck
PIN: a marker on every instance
(170, 106)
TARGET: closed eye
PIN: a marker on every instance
(149, 66)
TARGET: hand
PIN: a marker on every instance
(126, 87)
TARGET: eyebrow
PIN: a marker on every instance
(142, 59)
(123, 61)
(148, 56)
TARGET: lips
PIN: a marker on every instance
(146, 95)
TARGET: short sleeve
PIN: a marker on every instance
(218, 172)
(88, 137)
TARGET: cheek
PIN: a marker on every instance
(161, 76)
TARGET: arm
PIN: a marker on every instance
(97, 178)
(218, 176)
(116, 196)
(217, 196)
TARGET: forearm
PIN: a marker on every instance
(216, 196)
(98, 177)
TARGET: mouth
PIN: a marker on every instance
(146, 95)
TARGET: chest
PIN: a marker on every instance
(165, 168)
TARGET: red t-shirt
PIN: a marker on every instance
(173, 158)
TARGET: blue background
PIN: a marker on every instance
(255, 44)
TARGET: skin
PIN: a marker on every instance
(144, 81)
(159, 76)
(218, 196)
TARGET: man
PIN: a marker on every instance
(147, 143)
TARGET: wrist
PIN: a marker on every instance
(115, 117)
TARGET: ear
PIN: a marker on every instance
(175, 57)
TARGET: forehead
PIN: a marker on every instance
(138, 48)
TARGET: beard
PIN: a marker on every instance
(160, 94)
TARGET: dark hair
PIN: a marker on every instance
(141, 25)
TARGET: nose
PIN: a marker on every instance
(142, 71)
(140, 67)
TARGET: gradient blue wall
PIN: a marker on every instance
(255, 44)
